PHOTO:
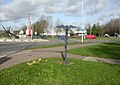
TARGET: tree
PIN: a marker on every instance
(99, 30)
(58, 23)
(95, 30)
(40, 26)
(88, 28)
(24, 28)
(49, 24)
(112, 26)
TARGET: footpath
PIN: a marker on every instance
(55, 52)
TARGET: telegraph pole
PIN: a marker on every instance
(82, 21)
(119, 26)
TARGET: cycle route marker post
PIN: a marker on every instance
(66, 28)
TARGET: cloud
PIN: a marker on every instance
(109, 15)
(73, 7)
(95, 6)
(49, 2)
(115, 13)
(66, 7)
(117, 2)
(2, 2)
(17, 8)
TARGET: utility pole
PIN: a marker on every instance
(82, 21)
(119, 26)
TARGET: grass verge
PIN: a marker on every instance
(105, 50)
(107, 38)
(52, 45)
(51, 71)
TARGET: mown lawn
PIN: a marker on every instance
(105, 50)
(107, 38)
(52, 71)
(52, 45)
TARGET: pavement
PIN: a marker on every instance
(22, 40)
(55, 52)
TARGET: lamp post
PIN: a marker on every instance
(119, 26)
(82, 21)
(66, 28)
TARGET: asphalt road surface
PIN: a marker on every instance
(7, 48)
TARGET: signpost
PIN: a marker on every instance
(66, 28)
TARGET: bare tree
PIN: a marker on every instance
(57, 23)
(112, 26)
(49, 24)
(40, 25)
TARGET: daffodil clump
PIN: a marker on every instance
(34, 62)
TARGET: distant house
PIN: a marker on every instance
(73, 32)
(79, 33)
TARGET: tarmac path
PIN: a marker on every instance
(54, 52)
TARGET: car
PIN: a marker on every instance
(35, 37)
(91, 36)
(61, 37)
(106, 35)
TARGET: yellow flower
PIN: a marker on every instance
(39, 59)
(29, 64)
(34, 62)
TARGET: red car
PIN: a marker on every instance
(91, 37)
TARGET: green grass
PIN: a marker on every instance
(52, 45)
(101, 38)
(47, 46)
(105, 50)
(51, 71)
(108, 38)
(2, 37)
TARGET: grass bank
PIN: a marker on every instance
(51, 71)
(52, 45)
(105, 50)
(107, 38)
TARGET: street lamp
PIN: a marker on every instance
(66, 28)
(119, 27)
(82, 21)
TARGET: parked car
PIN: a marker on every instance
(91, 37)
(61, 37)
(35, 37)
(106, 35)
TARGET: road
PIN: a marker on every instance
(7, 48)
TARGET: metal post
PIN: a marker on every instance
(119, 26)
(82, 21)
(66, 28)
(66, 42)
